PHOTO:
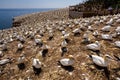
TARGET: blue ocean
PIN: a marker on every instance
(6, 15)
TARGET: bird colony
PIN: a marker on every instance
(70, 49)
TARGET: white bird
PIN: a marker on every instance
(36, 63)
(87, 37)
(21, 64)
(67, 61)
(63, 32)
(66, 35)
(90, 28)
(44, 50)
(95, 33)
(117, 29)
(20, 46)
(21, 59)
(39, 42)
(100, 61)
(64, 43)
(76, 31)
(36, 66)
(110, 22)
(106, 36)
(118, 20)
(4, 61)
(1, 53)
(4, 47)
(106, 28)
(117, 43)
(94, 46)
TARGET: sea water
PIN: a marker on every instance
(6, 15)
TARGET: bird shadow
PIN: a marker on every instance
(106, 71)
(21, 66)
(44, 52)
(37, 71)
(116, 69)
(97, 52)
(67, 68)
(77, 34)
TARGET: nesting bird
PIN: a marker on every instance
(4, 47)
(21, 64)
(95, 33)
(87, 37)
(106, 37)
(20, 46)
(63, 33)
(31, 35)
(76, 32)
(63, 48)
(4, 61)
(94, 46)
(118, 20)
(117, 43)
(90, 28)
(44, 50)
(106, 28)
(39, 42)
(50, 36)
(110, 22)
(67, 61)
(100, 61)
(1, 53)
(36, 66)
(64, 43)
(21, 39)
(117, 29)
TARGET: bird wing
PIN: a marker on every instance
(99, 61)
(64, 62)
(92, 46)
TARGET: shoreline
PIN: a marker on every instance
(41, 16)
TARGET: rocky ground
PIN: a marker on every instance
(51, 34)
